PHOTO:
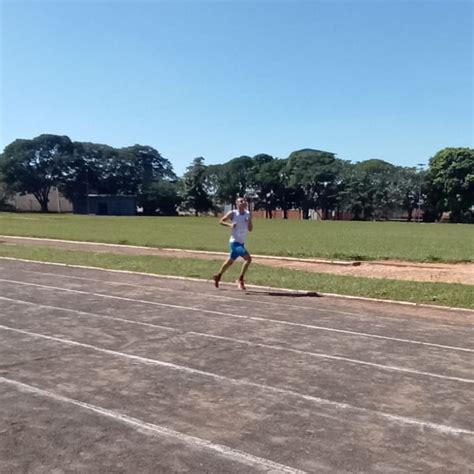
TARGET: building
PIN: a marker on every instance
(105, 205)
(28, 203)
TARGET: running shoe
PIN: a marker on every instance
(241, 284)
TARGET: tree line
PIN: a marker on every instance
(307, 180)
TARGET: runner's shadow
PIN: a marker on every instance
(307, 294)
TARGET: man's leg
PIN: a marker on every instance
(247, 261)
(245, 266)
(217, 277)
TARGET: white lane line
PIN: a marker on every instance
(208, 295)
(470, 312)
(215, 253)
(320, 401)
(253, 318)
(361, 316)
(390, 368)
(157, 430)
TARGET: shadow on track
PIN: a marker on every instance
(307, 294)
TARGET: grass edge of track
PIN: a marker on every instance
(444, 294)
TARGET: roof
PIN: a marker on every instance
(112, 195)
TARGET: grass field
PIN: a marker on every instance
(447, 294)
(334, 240)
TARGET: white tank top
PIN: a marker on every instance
(240, 231)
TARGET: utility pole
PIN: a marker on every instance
(58, 203)
(419, 167)
(87, 191)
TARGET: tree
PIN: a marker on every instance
(214, 178)
(409, 189)
(451, 176)
(195, 195)
(96, 168)
(144, 165)
(356, 198)
(261, 159)
(371, 189)
(231, 179)
(5, 194)
(35, 166)
(85, 170)
(314, 174)
(129, 170)
(270, 185)
(160, 197)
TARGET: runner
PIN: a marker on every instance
(240, 221)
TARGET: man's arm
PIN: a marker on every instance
(250, 223)
(223, 220)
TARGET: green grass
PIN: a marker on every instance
(324, 239)
(448, 294)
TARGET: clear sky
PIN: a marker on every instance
(364, 79)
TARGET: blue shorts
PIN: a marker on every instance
(237, 250)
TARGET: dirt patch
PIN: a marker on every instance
(389, 269)
(447, 273)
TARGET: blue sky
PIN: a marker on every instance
(363, 79)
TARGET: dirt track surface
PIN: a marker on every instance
(114, 372)
(394, 270)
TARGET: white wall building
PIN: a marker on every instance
(28, 203)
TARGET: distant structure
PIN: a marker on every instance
(28, 203)
(105, 205)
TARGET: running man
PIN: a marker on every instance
(240, 221)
